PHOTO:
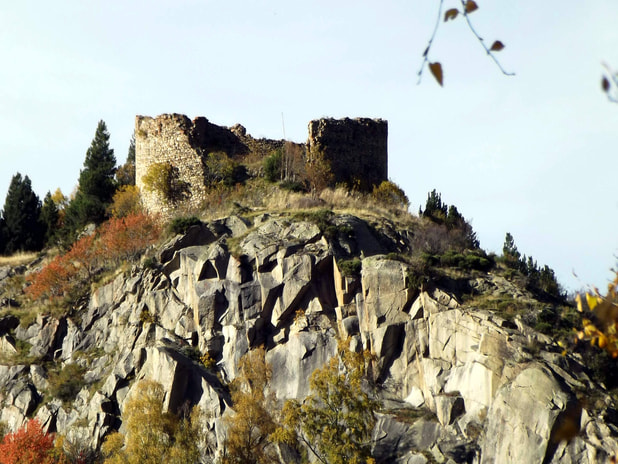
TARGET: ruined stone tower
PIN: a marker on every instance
(356, 148)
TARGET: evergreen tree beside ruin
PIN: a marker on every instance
(125, 175)
(96, 186)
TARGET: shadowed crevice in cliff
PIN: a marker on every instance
(566, 427)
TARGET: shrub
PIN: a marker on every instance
(272, 166)
(117, 239)
(53, 281)
(67, 383)
(208, 361)
(151, 263)
(390, 194)
(146, 317)
(164, 180)
(220, 168)
(318, 172)
(126, 238)
(292, 186)
(350, 267)
(126, 201)
(181, 225)
(29, 445)
(414, 279)
(468, 261)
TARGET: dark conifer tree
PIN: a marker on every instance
(511, 254)
(2, 235)
(434, 208)
(126, 173)
(96, 183)
(50, 216)
(131, 154)
(23, 230)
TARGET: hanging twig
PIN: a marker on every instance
(468, 6)
(433, 36)
(496, 46)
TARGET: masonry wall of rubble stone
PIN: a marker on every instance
(166, 139)
(356, 148)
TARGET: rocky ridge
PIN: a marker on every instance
(458, 384)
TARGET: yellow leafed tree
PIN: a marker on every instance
(153, 435)
(248, 436)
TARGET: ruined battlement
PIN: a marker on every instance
(356, 149)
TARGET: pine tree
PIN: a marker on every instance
(131, 154)
(126, 173)
(96, 183)
(23, 229)
(50, 217)
(434, 208)
(2, 235)
(510, 252)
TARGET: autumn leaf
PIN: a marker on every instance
(451, 14)
(471, 6)
(436, 70)
(592, 301)
(605, 84)
(497, 46)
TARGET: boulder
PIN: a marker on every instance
(522, 416)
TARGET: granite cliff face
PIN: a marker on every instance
(472, 386)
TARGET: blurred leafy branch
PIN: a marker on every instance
(601, 325)
(467, 7)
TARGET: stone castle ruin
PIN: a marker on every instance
(356, 149)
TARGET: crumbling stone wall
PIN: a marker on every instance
(167, 139)
(356, 148)
(184, 144)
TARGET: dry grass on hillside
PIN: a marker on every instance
(259, 195)
(18, 259)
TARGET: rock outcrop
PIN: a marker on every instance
(457, 384)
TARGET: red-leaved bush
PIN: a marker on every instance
(126, 238)
(29, 445)
(53, 281)
(114, 241)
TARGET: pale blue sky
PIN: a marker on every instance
(534, 154)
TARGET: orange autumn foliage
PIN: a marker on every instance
(53, 281)
(84, 256)
(117, 240)
(29, 445)
(126, 238)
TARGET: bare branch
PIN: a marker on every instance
(451, 15)
(480, 39)
(433, 36)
